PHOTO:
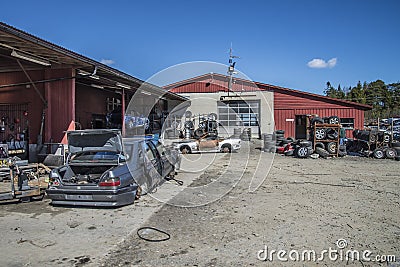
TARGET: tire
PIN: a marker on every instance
(390, 153)
(185, 150)
(378, 153)
(302, 152)
(333, 120)
(316, 120)
(305, 143)
(321, 152)
(284, 142)
(213, 116)
(199, 133)
(290, 139)
(188, 114)
(397, 158)
(320, 144)
(320, 134)
(331, 134)
(289, 153)
(386, 138)
(373, 137)
(331, 147)
(226, 148)
(355, 133)
(396, 144)
(280, 132)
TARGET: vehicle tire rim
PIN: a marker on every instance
(391, 154)
(302, 152)
(332, 148)
(319, 134)
(334, 121)
(185, 151)
(226, 150)
(379, 154)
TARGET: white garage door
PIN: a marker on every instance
(239, 113)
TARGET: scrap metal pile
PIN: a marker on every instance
(372, 143)
(323, 140)
(326, 139)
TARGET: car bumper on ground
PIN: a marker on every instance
(95, 198)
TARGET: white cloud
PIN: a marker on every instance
(318, 63)
(107, 61)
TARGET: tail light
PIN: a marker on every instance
(112, 181)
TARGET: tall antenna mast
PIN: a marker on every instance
(231, 68)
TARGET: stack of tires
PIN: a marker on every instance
(326, 138)
(279, 137)
(269, 143)
(246, 134)
(237, 133)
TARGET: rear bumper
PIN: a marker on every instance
(94, 198)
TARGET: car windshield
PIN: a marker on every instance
(97, 156)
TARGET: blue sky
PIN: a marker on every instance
(290, 43)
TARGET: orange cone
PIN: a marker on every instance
(71, 127)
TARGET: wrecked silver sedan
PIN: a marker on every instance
(102, 170)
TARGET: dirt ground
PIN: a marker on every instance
(302, 205)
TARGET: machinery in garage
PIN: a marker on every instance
(14, 133)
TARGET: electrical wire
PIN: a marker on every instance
(168, 236)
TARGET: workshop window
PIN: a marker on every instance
(347, 123)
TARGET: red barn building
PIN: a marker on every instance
(289, 107)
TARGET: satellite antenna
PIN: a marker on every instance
(231, 68)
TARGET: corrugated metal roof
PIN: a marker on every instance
(12, 38)
(197, 85)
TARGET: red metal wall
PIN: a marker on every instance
(287, 102)
(213, 85)
(286, 106)
(60, 96)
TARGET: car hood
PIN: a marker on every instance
(89, 140)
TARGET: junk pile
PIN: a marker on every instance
(324, 140)
(373, 143)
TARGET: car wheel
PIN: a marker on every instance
(305, 143)
(390, 153)
(185, 150)
(378, 153)
(320, 134)
(226, 149)
(317, 120)
(288, 153)
(333, 120)
(372, 137)
(396, 144)
(302, 152)
(320, 145)
(331, 147)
